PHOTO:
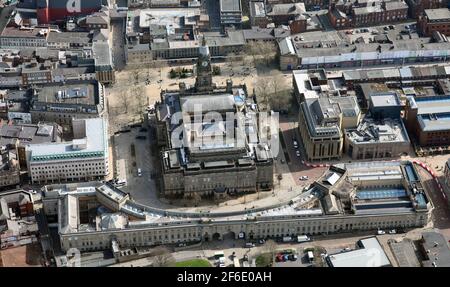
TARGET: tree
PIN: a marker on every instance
(263, 93)
(271, 247)
(280, 97)
(135, 74)
(268, 51)
(252, 49)
(125, 100)
(162, 257)
(216, 70)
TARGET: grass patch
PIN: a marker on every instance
(193, 263)
(264, 260)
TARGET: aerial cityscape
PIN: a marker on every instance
(224, 133)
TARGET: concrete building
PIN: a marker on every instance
(9, 166)
(12, 37)
(230, 12)
(18, 136)
(62, 103)
(86, 157)
(434, 248)
(321, 125)
(340, 201)
(447, 173)
(434, 20)
(328, 49)
(370, 253)
(428, 120)
(374, 139)
(207, 157)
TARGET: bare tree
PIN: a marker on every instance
(231, 58)
(135, 75)
(139, 94)
(263, 93)
(162, 257)
(280, 97)
(268, 51)
(125, 100)
(253, 50)
(271, 247)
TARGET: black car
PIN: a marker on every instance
(143, 130)
(141, 137)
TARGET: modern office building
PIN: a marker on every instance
(84, 158)
(230, 12)
(321, 124)
(428, 120)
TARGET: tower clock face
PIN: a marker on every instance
(204, 63)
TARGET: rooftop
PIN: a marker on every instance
(438, 14)
(230, 5)
(373, 131)
(437, 250)
(94, 143)
(371, 254)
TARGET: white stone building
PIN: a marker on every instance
(83, 158)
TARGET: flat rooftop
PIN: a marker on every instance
(439, 252)
(374, 131)
(230, 5)
(96, 144)
(77, 93)
(438, 14)
(371, 254)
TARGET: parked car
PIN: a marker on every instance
(393, 231)
(304, 177)
(381, 232)
(297, 153)
(141, 137)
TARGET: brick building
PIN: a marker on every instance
(434, 20)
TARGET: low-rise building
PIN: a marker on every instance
(434, 248)
(370, 253)
(61, 103)
(434, 20)
(361, 196)
(417, 7)
(86, 157)
(12, 37)
(374, 139)
(328, 49)
(428, 120)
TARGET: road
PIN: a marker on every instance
(118, 43)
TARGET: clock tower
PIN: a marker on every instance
(204, 69)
